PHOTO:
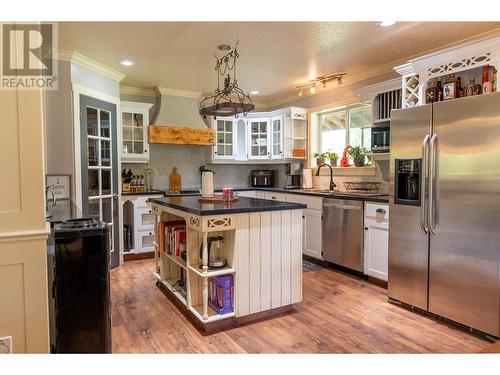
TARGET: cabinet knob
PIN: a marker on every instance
(145, 151)
(366, 228)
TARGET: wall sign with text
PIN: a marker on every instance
(60, 185)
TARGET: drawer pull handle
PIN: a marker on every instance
(380, 211)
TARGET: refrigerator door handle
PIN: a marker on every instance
(432, 183)
(423, 184)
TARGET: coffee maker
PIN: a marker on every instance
(293, 172)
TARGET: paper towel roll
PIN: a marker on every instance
(207, 184)
(307, 178)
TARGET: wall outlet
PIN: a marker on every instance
(6, 345)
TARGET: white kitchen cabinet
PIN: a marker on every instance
(259, 139)
(134, 125)
(224, 138)
(295, 134)
(312, 233)
(259, 194)
(312, 224)
(275, 196)
(138, 216)
(276, 137)
(144, 240)
(247, 193)
(376, 240)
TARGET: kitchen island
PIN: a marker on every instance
(262, 246)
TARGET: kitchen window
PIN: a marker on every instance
(348, 126)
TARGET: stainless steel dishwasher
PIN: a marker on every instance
(343, 232)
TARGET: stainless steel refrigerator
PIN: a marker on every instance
(444, 237)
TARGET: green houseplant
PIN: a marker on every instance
(357, 153)
(333, 157)
(320, 158)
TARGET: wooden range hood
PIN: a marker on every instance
(159, 134)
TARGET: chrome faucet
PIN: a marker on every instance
(332, 184)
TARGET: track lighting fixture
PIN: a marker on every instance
(323, 80)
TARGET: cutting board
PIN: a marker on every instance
(174, 180)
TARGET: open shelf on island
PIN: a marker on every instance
(169, 283)
(212, 314)
(177, 260)
(212, 272)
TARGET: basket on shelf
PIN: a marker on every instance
(362, 186)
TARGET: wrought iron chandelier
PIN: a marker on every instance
(230, 100)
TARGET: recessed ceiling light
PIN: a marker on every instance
(254, 92)
(127, 62)
(387, 23)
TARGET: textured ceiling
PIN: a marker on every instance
(274, 56)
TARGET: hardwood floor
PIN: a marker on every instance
(339, 314)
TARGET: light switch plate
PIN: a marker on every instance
(6, 345)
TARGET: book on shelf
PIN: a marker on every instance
(179, 237)
(220, 293)
(169, 227)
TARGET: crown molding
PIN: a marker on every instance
(138, 91)
(405, 69)
(125, 103)
(88, 63)
(178, 92)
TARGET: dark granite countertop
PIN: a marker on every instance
(192, 205)
(149, 192)
(344, 195)
(384, 198)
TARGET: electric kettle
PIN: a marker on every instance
(216, 255)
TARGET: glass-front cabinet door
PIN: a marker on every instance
(259, 139)
(135, 121)
(277, 137)
(99, 167)
(225, 137)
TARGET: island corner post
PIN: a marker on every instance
(263, 250)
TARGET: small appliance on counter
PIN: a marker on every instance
(215, 255)
(293, 173)
(78, 270)
(207, 182)
(262, 178)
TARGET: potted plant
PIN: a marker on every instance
(357, 153)
(333, 157)
(320, 158)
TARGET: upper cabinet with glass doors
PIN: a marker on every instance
(259, 138)
(265, 136)
(135, 121)
(225, 136)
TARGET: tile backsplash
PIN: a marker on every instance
(188, 159)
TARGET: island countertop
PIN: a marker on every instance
(192, 205)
